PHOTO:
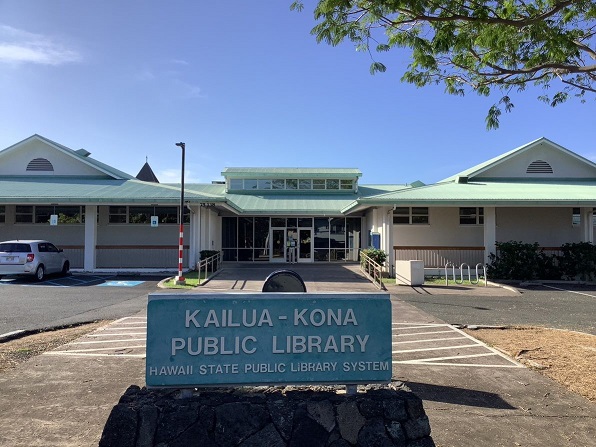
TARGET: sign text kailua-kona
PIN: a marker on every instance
(268, 338)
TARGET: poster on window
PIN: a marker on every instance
(54, 219)
(154, 221)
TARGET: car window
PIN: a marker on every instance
(42, 248)
(13, 247)
(51, 248)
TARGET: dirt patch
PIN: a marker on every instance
(566, 357)
(15, 352)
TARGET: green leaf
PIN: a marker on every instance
(377, 67)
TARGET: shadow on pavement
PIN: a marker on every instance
(458, 396)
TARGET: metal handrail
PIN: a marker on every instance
(210, 264)
(368, 266)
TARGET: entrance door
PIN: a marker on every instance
(278, 245)
(305, 245)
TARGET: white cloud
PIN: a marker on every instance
(19, 46)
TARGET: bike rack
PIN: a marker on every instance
(478, 274)
(461, 274)
(449, 264)
(462, 267)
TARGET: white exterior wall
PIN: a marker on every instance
(443, 230)
(550, 227)
(15, 163)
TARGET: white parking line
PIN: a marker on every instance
(121, 328)
(66, 353)
(422, 333)
(112, 348)
(105, 341)
(442, 348)
(426, 341)
(570, 291)
(119, 334)
(444, 361)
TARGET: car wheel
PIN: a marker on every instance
(65, 268)
(40, 273)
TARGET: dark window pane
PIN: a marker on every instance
(229, 233)
(332, 183)
(278, 222)
(42, 214)
(140, 214)
(261, 232)
(318, 184)
(305, 222)
(291, 183)
(235, 183)
(278, 184)
(245, 232)
(321, 233)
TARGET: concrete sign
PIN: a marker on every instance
(268, 338)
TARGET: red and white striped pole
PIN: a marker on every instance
(180, 278)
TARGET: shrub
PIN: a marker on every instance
(378, 256)
(518, 260)
(578, 261)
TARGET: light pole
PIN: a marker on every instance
(180, 279)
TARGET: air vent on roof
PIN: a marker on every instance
(40, 164)
(539, 167)
(83, 152)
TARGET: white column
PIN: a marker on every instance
(388, 237)
(490, 231)
(211, 228)
(587, 224)
(90, 237)
(194, 236)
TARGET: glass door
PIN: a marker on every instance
(278, 245)
(305, 245)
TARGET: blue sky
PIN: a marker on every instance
(242, 84)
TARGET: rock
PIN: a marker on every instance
(282, 415)
(175, 419)
(395, 409)
(236, 421)
(397, 434)
(120, 429)
(268, 437)
(417, 428)
(322, 412)
(147, 424)
(307, 432)
(373, 434)
(350, 421)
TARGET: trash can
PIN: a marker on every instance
(409, 273)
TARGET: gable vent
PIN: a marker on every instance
(40, 164)
(539, 167)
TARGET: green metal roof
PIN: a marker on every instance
(292, 172)
(534, 193)
(44, 189)
(290, 204)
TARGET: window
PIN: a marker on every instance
(576, 217)
(471, 216)
(140, 214)
(24, 214)
(305, 184)
(278, 184)
(2, 214)
(291, 183)
(250, 184)
(318, 184)
(410, 215)
(117, 214)
(264, 184)
(236, 183)
(66, 214)
(332, 183)
(346, 184)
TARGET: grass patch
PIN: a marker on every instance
(192, 280)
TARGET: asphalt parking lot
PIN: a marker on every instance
(28, 305)
(560, 306)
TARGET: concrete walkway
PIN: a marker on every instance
(63, 398)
